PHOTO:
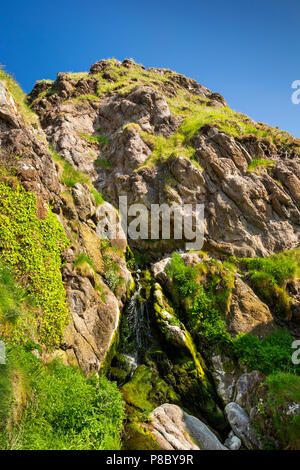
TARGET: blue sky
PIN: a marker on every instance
(246, 50)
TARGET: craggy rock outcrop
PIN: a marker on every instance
(95, 309)
(158, 137)
(174, 429)
(247, 213)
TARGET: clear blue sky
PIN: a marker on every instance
(246, 50)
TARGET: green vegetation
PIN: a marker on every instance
(255, 165)
(268, 277)
(19, 97)
(112, 273)
(146, 390)
(13, 297)
(204, 307)
(77, 75)
(283, 393)
(100, 139)
(204, 291)
(86, 267)
(71, 176)
(31, 247)
(269, 355)
(103, 163)
(63, 410)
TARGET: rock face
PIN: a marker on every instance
(174, 429)
(247, 213)
(158, 137)
(95, 313)
(248, 314)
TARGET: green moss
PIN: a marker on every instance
(145, 391)
(138, 437)
(32, 248)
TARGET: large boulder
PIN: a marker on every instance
(174, 429)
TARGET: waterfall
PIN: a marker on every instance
(139, 324)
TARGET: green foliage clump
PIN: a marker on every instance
(100, 139)
(112, 273)
(279, 267)
(204, 306)
(268, 277)
(32, 248)
(269, 355)
(82, 258)
(12, 296)
(256, 164)
(64, 409)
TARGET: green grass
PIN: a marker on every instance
(255, 165)
(268, 277)
(64, 410)
(195, 117)
(19, 97)
(32, 248)
(81, 259)
(100, 139)
(77, 75)
(270, 355)
(284, 388)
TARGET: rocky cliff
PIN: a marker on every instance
(82, 141)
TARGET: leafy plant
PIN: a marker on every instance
(32, 248)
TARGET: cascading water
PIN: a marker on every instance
(139, 324)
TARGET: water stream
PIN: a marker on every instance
(139, 324)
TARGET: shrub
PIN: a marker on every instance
(269, 355)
